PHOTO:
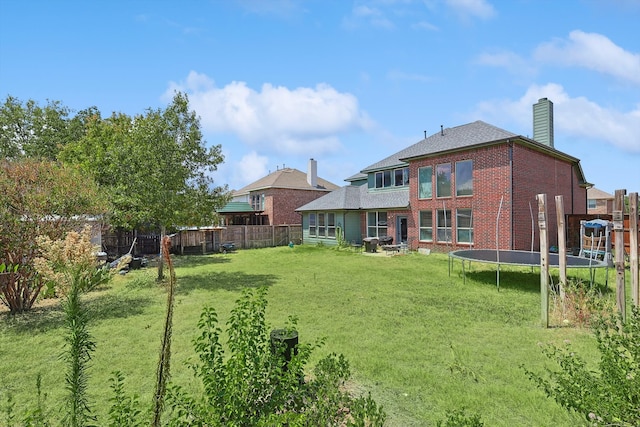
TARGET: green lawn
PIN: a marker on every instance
(420, 340)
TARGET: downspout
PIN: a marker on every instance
(511, 192)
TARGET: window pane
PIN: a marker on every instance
(387, 178)
(331, 219)
(312, 220)
(443, 223)
(424, 182)
(378, 179)
(426, 226)
(443, 180)
(464, 178)
(405, 173)
(465, 236)
(399, 177)
(463, 218)
(382, 218)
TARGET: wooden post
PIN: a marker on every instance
(562, 246)
(633, 241)
(544, 258)
(618, 229)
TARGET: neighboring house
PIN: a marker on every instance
(599, 202)
(447, 190)
(272, 200)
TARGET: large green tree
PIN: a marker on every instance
(155, 166)
(30, 130)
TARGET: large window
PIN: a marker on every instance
(443, 225)
(591, 203)
(322, 225)
(425, 184)
(392, 178)
(464, 226)
(313, 230)
(464, 178)
(383, 179)
(376, 224)
(257, 202)
(426, 226)
(443, 180)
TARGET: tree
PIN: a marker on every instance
(156, 167)
(38, 198)
(29, 130)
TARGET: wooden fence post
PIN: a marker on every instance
(562, 246)
(544, 258)
(633, 241)
(618, 229)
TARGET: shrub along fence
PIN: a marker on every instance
(204, 240)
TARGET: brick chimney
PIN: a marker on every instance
(312, 173)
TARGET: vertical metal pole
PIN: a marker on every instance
(544, 258)
(498, 244)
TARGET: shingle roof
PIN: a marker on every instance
(449, 139)
(596, 194)
(286, 178)
(352, 197)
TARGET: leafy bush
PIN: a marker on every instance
(609, 395)
(256, 385)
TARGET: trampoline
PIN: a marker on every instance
(521, 258)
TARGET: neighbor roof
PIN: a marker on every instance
(236, 207)
(354, 197)
(597, 194)
(286, 178)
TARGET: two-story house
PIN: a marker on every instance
(272, 200)
(472, 185)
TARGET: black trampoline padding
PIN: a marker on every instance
(524, 258)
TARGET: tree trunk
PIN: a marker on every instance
(163, 231)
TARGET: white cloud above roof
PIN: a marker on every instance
(592, 51)
(277, 118)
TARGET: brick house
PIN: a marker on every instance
(599, 202)
(272, 200)
(446, 191)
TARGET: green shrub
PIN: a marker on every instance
(609, 395)
(256, 386)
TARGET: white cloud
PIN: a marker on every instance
(371, 15)
(510, 61)
(250, 168)
(301, 120)
(592, 51)
(472, 8)
(576, 117)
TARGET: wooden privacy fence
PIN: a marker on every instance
(208, 240)
(203, 240)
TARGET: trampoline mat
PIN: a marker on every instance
(524, 258)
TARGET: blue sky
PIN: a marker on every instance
(276, 82)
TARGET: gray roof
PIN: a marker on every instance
(449, 139)
(352, 197)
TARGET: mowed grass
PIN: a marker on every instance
(421, 340)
